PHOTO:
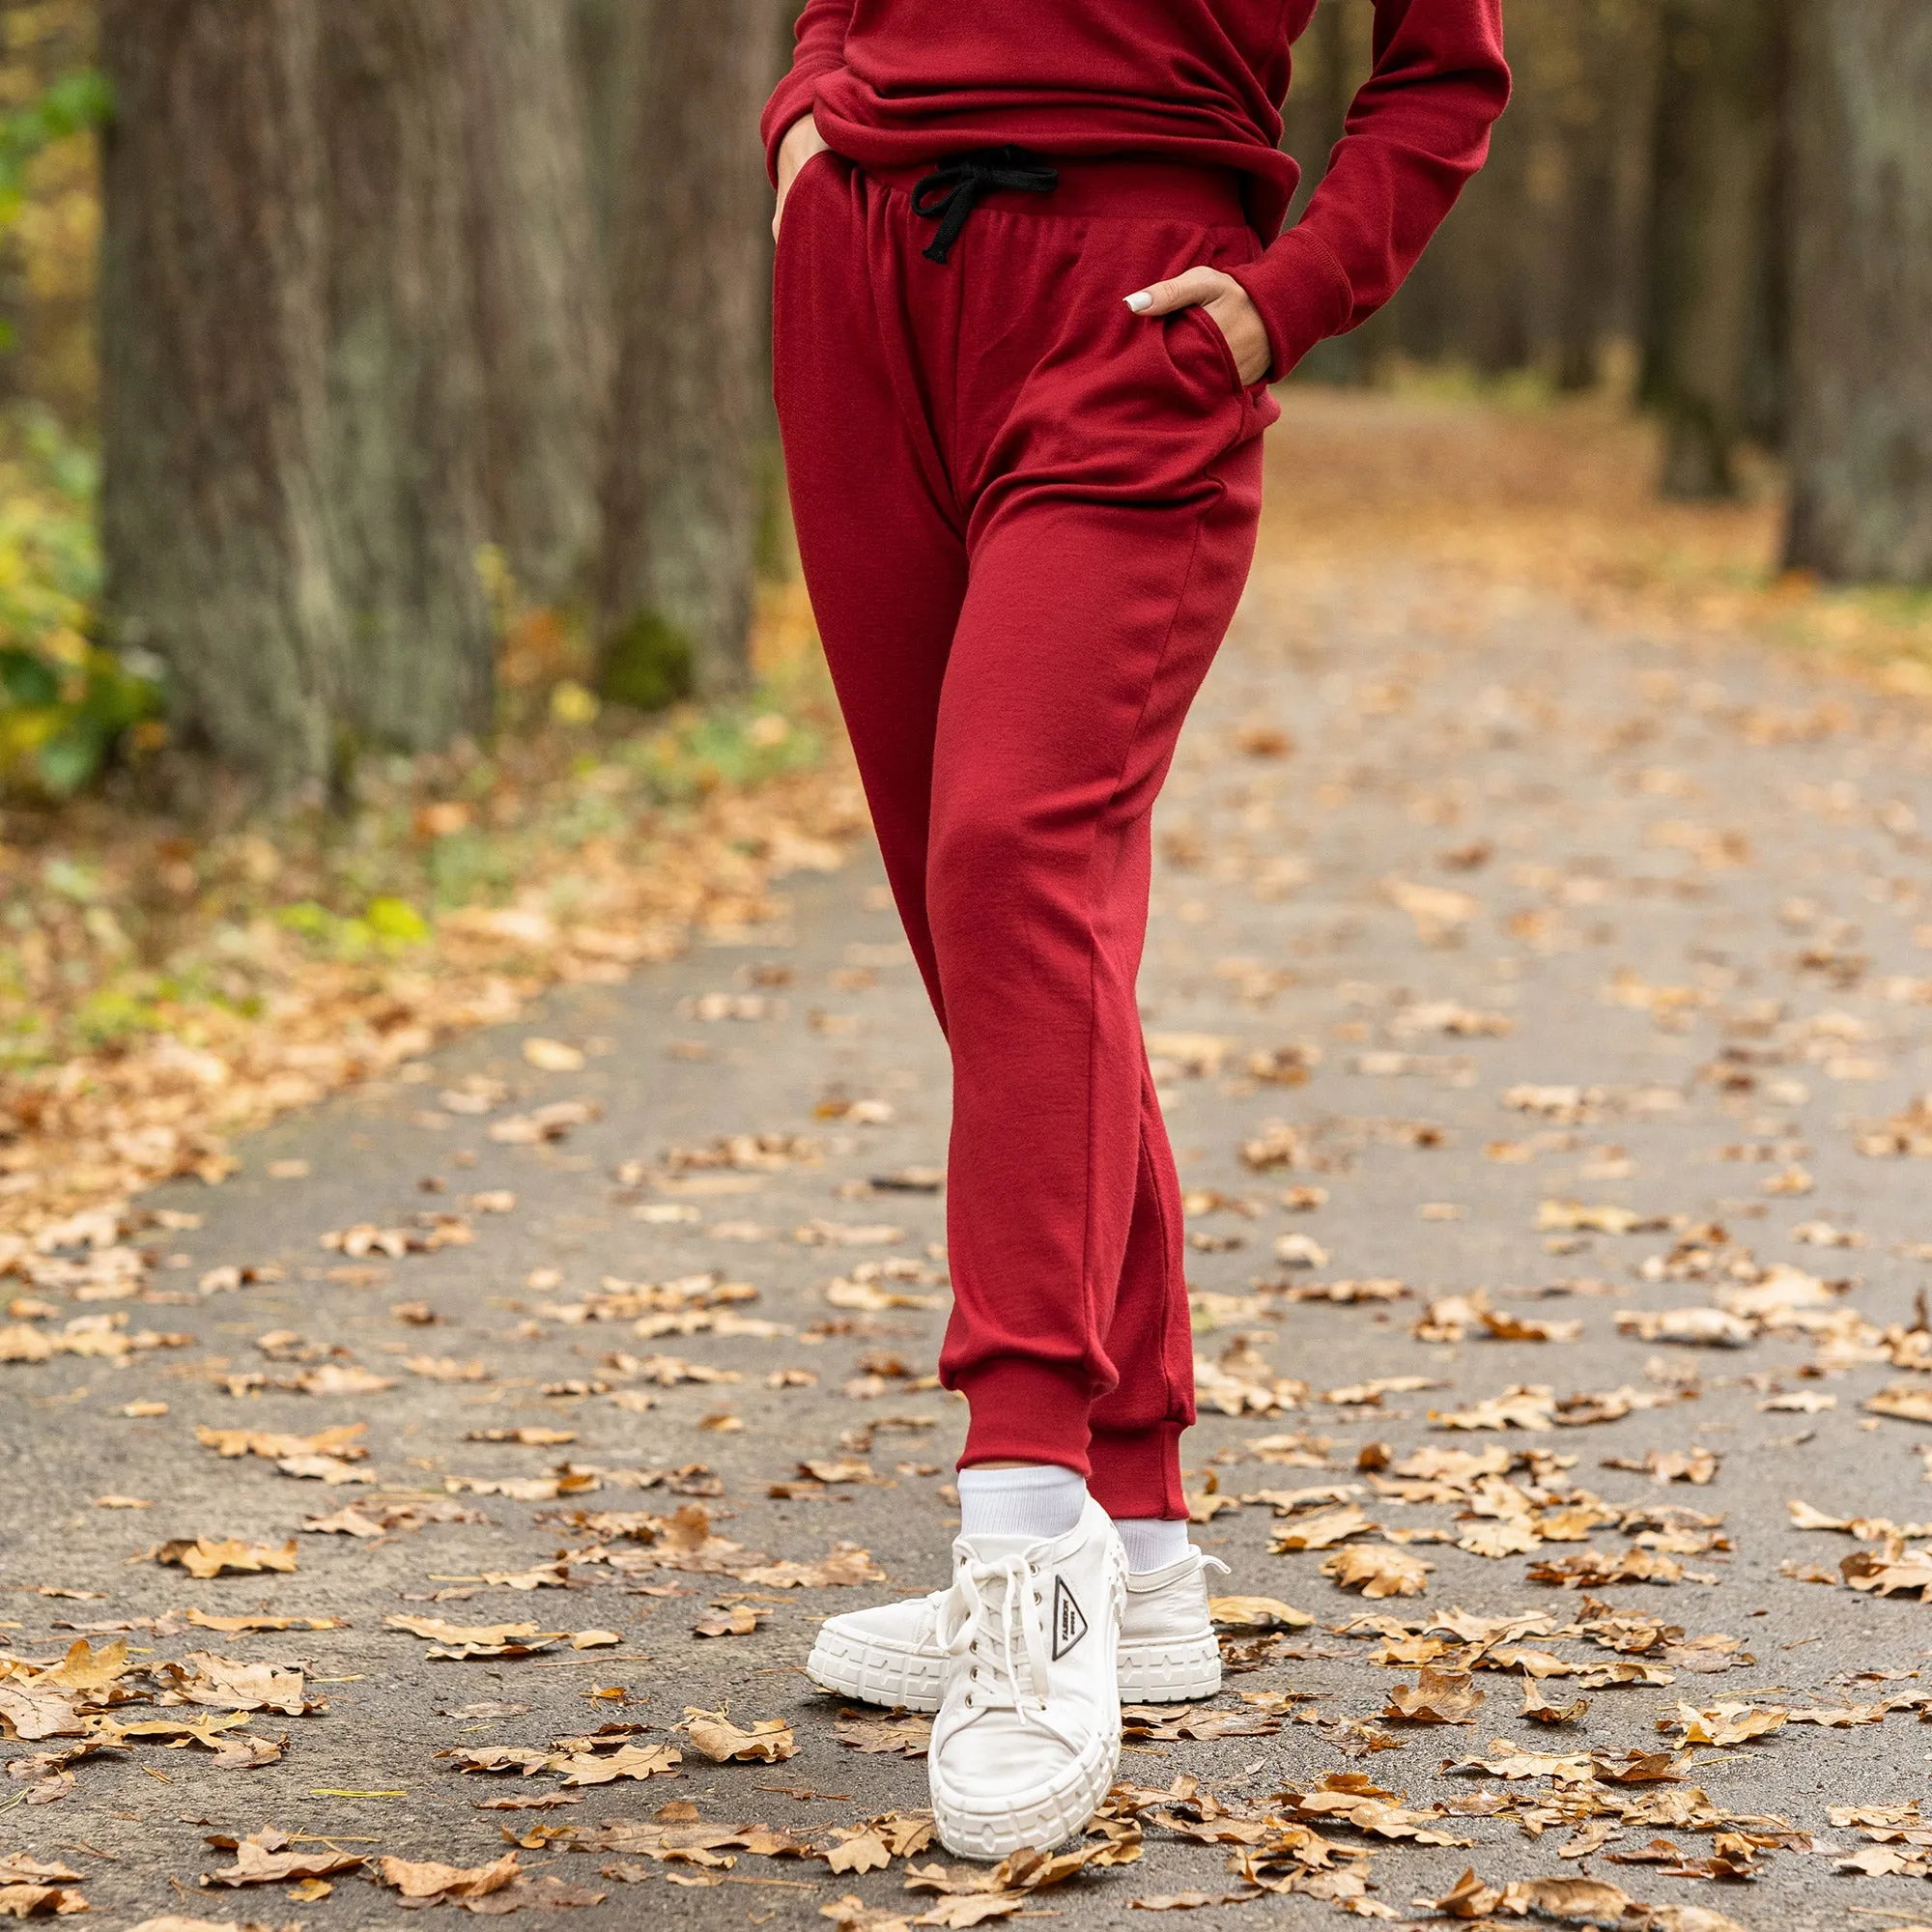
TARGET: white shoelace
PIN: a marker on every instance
(1001, 1631)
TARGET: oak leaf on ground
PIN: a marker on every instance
(713, 1735)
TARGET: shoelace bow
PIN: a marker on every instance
(1001, 1612)
(960, 183)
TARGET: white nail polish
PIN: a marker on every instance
(1140, 302)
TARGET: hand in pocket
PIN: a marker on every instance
(1226, 303)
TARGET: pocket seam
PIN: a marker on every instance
(1230, 368)
(791, 195)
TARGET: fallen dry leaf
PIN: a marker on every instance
(1321, 1530)
(1691, 1328)
(769, 1741)
(1733, 1723)
(1671, 1466)
(1522, 1406)
(228, 1684)
(342, 1443)
(1166, 1723)
(1908, 1402)
(1436, 1697)
(1377, 1571)
(875, 1733)
(733, 1620)
(206, 1557)
(1536, 1706)
(1570, 1901)
(430, 1881)
(1597, 1568)
(263, 1858)
(1255, 1613)
(1508, 1536)
(35, 1901)
(1889, 1572)
(174, 1923)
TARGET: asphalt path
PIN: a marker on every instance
(1490, 952)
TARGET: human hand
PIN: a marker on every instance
(801, 142)
(1224, 300)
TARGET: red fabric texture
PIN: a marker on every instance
(1026, 516)
(898, 83)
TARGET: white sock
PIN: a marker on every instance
(1153, 1542)
(1038, 1499)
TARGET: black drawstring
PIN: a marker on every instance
(965, 178)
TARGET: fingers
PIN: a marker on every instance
(1183, 291)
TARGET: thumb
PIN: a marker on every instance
(1183, 291)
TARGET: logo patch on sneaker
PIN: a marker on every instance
(1069, 1621)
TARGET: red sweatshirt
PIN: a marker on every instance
(893, 82)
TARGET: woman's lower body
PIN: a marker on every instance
(1026, 516)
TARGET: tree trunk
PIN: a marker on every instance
(680, 486)
(1589, 256)
(1341, 64)
(540, 320)
(405, 383)
(1712, 274)
(213, 376)
(608, 36)
(1862, 292)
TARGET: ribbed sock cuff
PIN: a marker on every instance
(1151, 1542)
(1038, 1500)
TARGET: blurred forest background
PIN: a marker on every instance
(417, 345)
(386, 440)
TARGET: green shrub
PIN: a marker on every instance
(647, 664)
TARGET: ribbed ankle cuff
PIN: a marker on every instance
(1027, 1413)
(1137, 1472)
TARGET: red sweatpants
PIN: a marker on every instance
(1025, 515)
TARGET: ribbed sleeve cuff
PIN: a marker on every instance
(792, 98)
(1303, 295)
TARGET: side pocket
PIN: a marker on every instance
(784, 250)
(798, 181)
(1200, 322)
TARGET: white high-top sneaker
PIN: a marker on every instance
(891, 1654)
(1028, 1734)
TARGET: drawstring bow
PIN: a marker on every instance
(958, 185)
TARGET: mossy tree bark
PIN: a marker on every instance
(1862, 292)
(404, 376)
(213, 391)
(680, 475)
(541, 318)
(1711, 346)
(605, 36)
(1601, 99)
(1341, 59)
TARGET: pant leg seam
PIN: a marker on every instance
(1094, 950)
(1167, 1278)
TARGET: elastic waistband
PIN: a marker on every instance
(1120, 188)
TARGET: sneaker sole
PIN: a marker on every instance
(1171, 1672)
(1151, 1673)
(897, 1679)
(997, 1830)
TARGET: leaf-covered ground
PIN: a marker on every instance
(436, 1511)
